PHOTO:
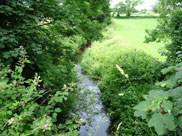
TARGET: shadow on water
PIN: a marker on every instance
(96, 122)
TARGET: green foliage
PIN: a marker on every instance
(119, 91)
(48, 31)
(28, 110)
(127, 7)
(169, 29)
(162, 108)
(142, 71)
(51, 32)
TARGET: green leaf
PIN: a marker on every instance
(57, 110)
(141, 109)
(9, 112)
(180, 122)
(171, 82)
(169, 122)
(179, 102)
(179, 75)
(54, 115)
(167, 106)
(158, 123)
(140, 113)
(158, 95)
(162, 122)
(68, 122)
(167, 70)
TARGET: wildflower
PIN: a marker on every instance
(121, 94)
(46, 127)
(10, 121)
(82, 121)
(47, 117)
(126, 75)
(9, 70)
(74, 116)
(122, 71)
(119, 126)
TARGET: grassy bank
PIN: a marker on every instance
(124, 45)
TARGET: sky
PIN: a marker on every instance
(147, 4)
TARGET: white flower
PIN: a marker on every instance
(121, 94)
(126, 75)
(119, 126)
(82, 121)
(10, 121)
(122, 71)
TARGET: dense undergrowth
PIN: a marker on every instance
(27, 109)
(39, 41)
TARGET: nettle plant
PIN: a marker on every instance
(162, 108)
(26, 110)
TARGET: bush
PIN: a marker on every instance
(56, 64)
(120, 93)
(169, 29)
(162, 107)
(28, 110)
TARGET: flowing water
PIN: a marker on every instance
(95, 118)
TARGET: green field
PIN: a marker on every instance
(126, 34)
(132, 32)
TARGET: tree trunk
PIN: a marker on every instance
(118, 15)
(128, 14)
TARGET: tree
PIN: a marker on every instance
(169, 29)
(41, 26)
(47, 35)
(164, 116)
(127, 6)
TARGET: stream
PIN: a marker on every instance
(95, 119)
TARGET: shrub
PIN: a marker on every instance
(169, 29)
(162, 107)
(28, 110)
(122, 92)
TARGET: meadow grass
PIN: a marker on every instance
(132, 33)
